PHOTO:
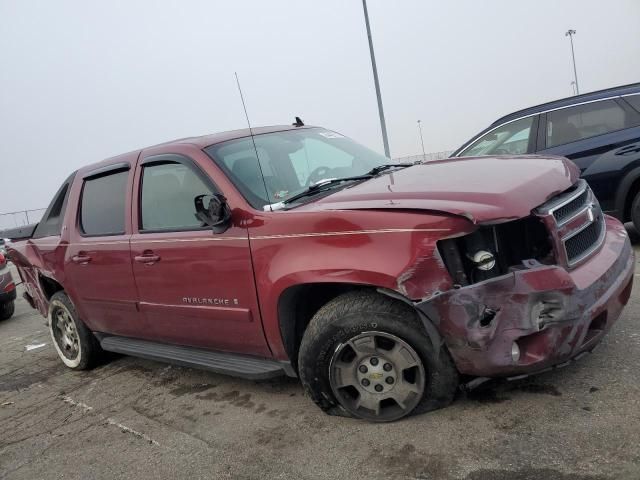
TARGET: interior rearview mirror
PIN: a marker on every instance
(213, 210)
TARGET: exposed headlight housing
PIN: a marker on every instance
(484, 260)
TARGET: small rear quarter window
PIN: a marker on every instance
(51, 223)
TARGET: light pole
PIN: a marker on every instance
(424, 155)
(383, 125)
(570, 33)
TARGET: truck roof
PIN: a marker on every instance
(200, 141)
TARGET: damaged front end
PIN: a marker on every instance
(535, 292)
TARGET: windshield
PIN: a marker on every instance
(291, 161)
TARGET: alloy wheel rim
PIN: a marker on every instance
(377, 376)
(65, 333)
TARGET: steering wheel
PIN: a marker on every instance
(501, 151)
(317, 175)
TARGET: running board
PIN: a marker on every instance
(251, 368)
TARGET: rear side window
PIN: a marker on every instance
(168, 194)
(585, 121)
(102, 209)
(51, 223)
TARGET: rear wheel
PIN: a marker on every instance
(77, 347)
(7, 309)
(369, 356)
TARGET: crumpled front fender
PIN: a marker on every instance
(551, 313)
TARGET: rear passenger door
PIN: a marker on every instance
(595, 136)
(98, 261)
(195, 287)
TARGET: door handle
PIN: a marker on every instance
(148, 258)
(81, 258)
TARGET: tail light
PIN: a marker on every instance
(3, 260)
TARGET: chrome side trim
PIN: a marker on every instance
(259, 237)
(352, 232)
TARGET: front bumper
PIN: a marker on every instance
(552, 314)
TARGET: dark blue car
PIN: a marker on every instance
(599, 131)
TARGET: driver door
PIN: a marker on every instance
(195, 287)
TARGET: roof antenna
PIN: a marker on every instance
(266, 190)
(298, 122)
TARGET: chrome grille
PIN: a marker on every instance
(566, 211)
(575, 222)
(585, 241)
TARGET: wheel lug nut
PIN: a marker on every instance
(387, 367)
(365, 382)
(389, 380)
(373, 361)
(378, 388)
(363, 369)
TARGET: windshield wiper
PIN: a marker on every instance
(387, 166)
(320, 186)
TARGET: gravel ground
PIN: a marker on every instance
(132, 418)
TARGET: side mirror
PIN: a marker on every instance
(214, 213)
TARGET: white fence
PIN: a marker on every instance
(427, 157)
(22, 217)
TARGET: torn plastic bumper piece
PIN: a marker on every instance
(535, 318)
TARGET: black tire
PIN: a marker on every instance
(635, 212)
(7, 309)
(358, 313)
(77, 347)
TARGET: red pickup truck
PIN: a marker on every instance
(297, 251)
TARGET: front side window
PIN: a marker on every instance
(102, 208)
(167, 200)
(585, 121)
(290, 161)
(634, 101)
(509, 139)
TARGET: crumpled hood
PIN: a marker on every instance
(482, 189)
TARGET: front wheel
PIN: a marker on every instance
(7, 309)
(635, 212)
(369, 356)
(77, 347)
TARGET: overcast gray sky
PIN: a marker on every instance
(84, 80)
